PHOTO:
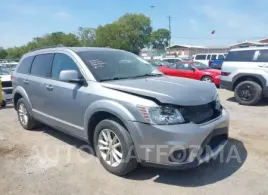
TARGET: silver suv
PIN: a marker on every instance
(245, 71)
(122, 105)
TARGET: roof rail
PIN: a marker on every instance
(47, 47)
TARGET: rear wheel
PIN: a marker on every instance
(248, 93)
(207, 79)
(114, 147)
(26, 120)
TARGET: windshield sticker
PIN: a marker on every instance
(96, 63)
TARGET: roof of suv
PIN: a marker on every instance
(249, 48)
(75, 49)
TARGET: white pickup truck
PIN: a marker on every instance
(5, 77)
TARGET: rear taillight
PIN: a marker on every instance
(225, 73)
(11, 76)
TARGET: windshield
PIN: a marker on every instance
(116, 64)
(3, 71)
(200, 66)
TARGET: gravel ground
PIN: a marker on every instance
(46, 161)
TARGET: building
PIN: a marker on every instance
(188, 51)
(259, 43)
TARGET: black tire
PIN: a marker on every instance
(32, 123)
(4, 104)
(255, 91)
(206, 78)
(127, 164)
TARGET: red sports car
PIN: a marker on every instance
(192, 70)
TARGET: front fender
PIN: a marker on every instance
(23, 93)
(109, 106)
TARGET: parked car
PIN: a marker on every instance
(193, 70)
(245, 71)
(215, 64)
(6, 86)
(204, 58)
(122, 105)
(172, 60)
(10, 66)
(159, 63)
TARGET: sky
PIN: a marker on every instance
(191, 23)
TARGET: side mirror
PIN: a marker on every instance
(193, 69)
(71, 76)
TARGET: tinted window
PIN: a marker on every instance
(25, 65)
(208, 57)
(62, 62)
(240, 56)
(42, 65)
(214, 57)
(116, 64)
(221, 57)
(200, 57)
(172, 66)
(200, 66)
(184, 67)
(262, 56)
(170, 60)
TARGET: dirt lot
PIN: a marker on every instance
(46, 161)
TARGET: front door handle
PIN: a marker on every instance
(26, 81)
(49, 87)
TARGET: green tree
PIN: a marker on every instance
(130, 32)
(3, 53)
(48, 40)
(160, 38)
(87, 36)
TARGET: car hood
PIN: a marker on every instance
(168, 90)
(213, 71)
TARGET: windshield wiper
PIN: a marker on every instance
(146, 75)
(112, 79)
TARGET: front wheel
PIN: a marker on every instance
(114, 147)
(248, 93)
(207, 79)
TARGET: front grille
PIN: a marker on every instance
(8, 91)
(6, 84)
(201, 113)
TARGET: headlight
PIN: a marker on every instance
(165, 115)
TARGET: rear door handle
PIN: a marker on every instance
(26, 81)
(49, 87)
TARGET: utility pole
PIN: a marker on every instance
(152, 8)
(169, 28)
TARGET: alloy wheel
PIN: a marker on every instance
(110, 147)
(207, 79)
(23, 114)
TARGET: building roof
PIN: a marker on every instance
(186, 46)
